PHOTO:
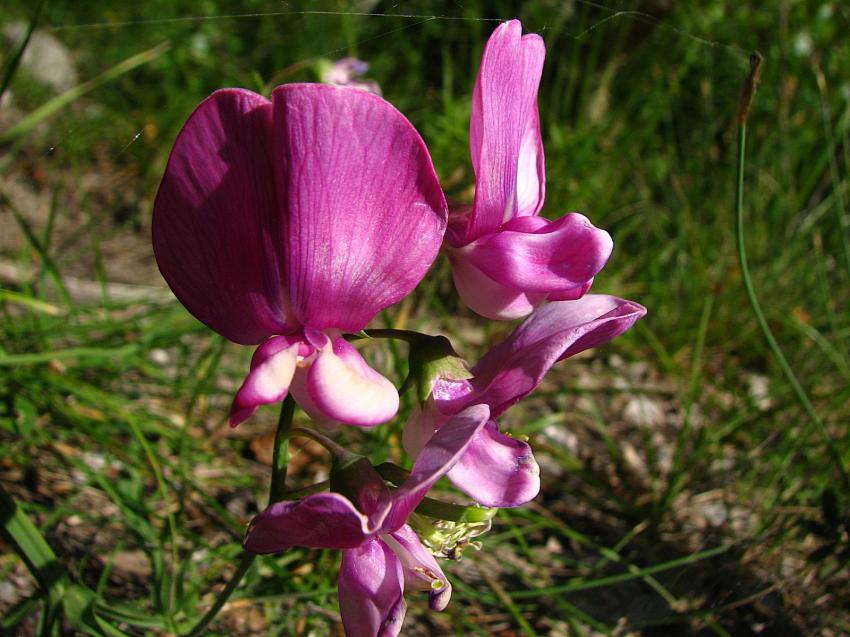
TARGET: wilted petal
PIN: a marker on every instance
(556, 331)
(371, 591)
(534, 255)
(497, 470)
(365, 212)
(343, 387)
(216, 219)
(504, 132)
(272, 368)
(443, 450)
(322, 520)
(421, 571)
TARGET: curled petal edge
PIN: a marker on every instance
(497, 470)
(321, 520)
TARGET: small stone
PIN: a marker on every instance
(45, 58)
(643, 411)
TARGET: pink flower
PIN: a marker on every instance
(286, 222)
(348, 72)
(507, 260)
(497, 470)
(381, 554)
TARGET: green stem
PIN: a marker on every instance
(408, 336)
(277, 486)
(440, 510)
(759, 313)
(16, 58)
(280, 457)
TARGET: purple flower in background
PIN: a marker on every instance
(287, 222)
(498, 470)
(348, 72)
(381, 554)
(506, 260)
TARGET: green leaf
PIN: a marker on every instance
(26, 416)
(31, 546)
(433, 358)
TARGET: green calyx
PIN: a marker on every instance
(433, 358)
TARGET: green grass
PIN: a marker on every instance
(112, 410)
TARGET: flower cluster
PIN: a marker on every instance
(290, 223)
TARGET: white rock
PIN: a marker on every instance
(45, 58)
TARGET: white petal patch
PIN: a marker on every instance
(343, 386)
(268, 382)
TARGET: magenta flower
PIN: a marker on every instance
(506, 260)
(381, 554)
(287, 222)
(498, 470)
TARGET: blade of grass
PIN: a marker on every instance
(15, 61)
(35, 243)
(277, 488)
(503, 596)
(87, 353)
(28, 301)
(746, 101)
(831, 147)
(60, 101)
(31, 546)
(636, 573)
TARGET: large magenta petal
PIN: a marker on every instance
(371, 591)
(365, 212)
(504, 130)
(321, 520)
(421, 571)
(558, 330)
(443, 450)
(497, 470)
(216, 219)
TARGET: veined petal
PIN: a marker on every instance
(371, 591)
(421, 571)
(534, 255)
(365, 211)
(486, 297)
(531, 170)
(504, 130)
(343, 387)
(555, 331)
(497, 470)
(321, 520)
(216, 219)
(272, 368)
(443, 450)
